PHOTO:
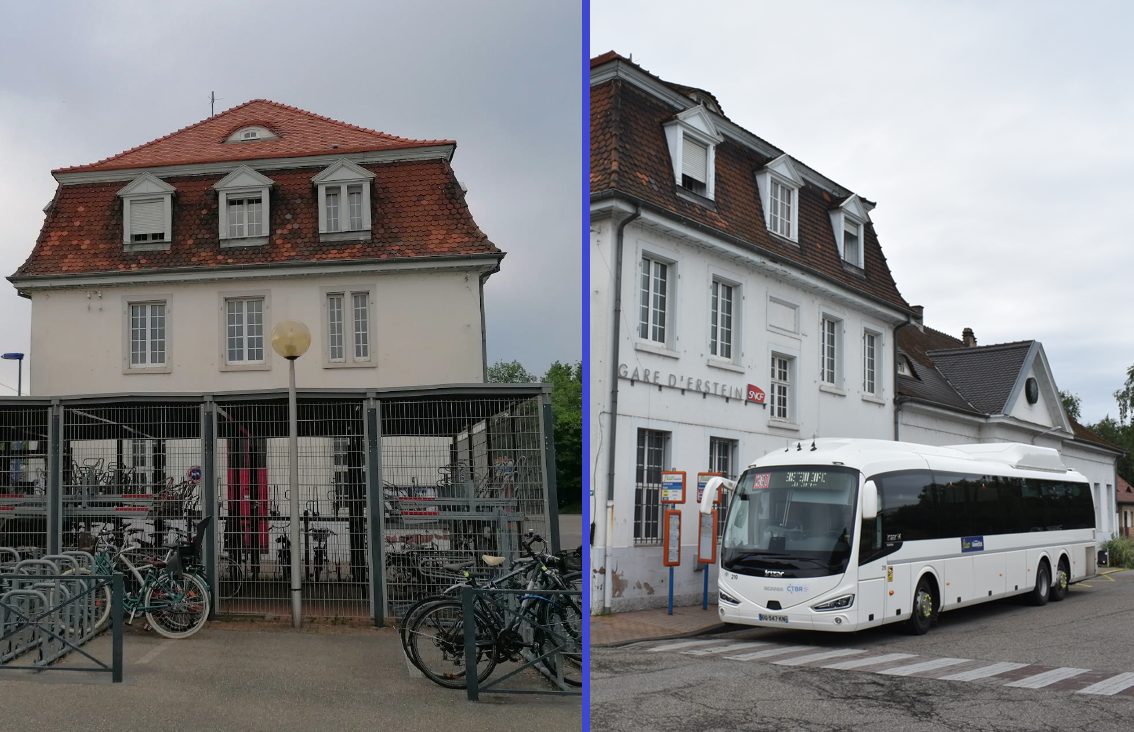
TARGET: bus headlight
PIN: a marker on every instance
(839, 603)
(725, 597)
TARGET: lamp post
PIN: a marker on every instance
(291, 340)
(19, 358)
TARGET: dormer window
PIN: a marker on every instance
(147, 214)
(848, 221)
(692, 139)
(243, 208)
(779, 182)
(253, 133)
(344, 201)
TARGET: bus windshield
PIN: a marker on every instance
(798, 520)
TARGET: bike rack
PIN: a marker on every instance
(563, 643)
(46, 614)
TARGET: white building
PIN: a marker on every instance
(718, 264)
(164, 268)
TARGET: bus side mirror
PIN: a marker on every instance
(869, 501)
(711, 488)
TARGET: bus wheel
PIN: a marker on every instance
(1059, 583)
(1043, 586)
(922, 615)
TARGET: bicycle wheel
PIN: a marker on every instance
(437, 645)
(180, 607)
(231, 578)
(559, 635)
(102, 599)
(411, 616)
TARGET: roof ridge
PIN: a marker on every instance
(943, 333)
(230, 110)
(989, 347)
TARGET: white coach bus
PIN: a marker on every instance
(846, 534)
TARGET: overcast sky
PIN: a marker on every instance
(997, 139)
(82, 81)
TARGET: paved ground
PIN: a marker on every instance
(644, 624)
(249, 680)
(995, 667)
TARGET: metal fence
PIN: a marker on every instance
(393, 485)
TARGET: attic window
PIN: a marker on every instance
(904, 367)
(254, 133)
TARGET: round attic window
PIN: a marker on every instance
(1031, 390)
(253, 133)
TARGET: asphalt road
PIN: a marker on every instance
(1091, 631)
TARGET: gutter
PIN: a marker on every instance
(483, 328)
(898, 400)
(616, 335)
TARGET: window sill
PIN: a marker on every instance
(349, 365)
(247, 241)
(148, 370)
(329, 236)
(694, 197)
(832, 389)
(258, 366)
(724, 365)
(656, 350)
(782, 238)
(873, 399)
(147, 246)
(853, 269)
(783, 424)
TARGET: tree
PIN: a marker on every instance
(1122, 435)
(509, 372)
(1072, 404)
(567, 405)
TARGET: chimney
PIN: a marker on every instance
(919, 317)
(968, 338)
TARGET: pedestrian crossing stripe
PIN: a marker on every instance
(1002, 673)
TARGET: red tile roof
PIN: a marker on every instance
(629, 156)
(417, 208)
(1123, 492)
(300, 133)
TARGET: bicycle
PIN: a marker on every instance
(545, 629)
(175, 601)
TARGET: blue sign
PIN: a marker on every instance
(194, 474)
(972, 544)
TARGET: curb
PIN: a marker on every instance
(716, 628)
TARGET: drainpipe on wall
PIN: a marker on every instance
(483, 329)
(897, 399)
(616, 335)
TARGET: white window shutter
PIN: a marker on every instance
(147, 217)
(694, 160)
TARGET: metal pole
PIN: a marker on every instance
(293, 482)
(705, 597)
(20, 377)
(671, 590)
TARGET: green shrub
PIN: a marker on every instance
(1120, 551)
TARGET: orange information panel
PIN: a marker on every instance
(672, 538)
(707, 538)
(673, 486)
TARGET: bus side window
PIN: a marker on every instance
(908, 507)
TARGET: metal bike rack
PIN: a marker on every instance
(562, 642)
(46, 614)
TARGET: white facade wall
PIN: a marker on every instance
(712, 403)
(426, 329)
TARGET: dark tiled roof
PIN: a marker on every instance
(916, 343)
(300, 133)
(927, 383)
(1082, 433)
(417, 208)
(985, 375)
(629, 156)
(1124, 493)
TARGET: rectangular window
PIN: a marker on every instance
(694, 165)
(355, 339)
(245, 217)
(147, 220)
(781, 384)
(652, 446)
(829, 358)
(869, 349)
(781, 209)
(722, 459)
(720, 321)
(147, 334)
(354, 202)
(850, 243)
(335, 326)
(245, 330)
(332, 196)
(651, 319)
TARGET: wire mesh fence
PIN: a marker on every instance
(390, 490)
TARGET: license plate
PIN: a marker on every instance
(773, 618)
